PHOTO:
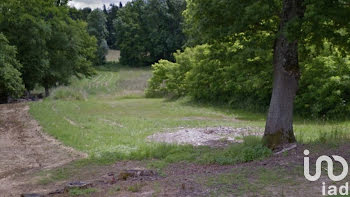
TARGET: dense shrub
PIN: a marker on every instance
(10, 77)
(212, 73)
(169, 79)
(325, 86)
(242, 77)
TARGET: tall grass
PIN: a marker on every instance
(111, 80)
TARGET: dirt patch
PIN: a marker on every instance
(278, 175)
(211, 136)
(25, 149)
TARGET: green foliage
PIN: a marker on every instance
(325, 85)
(111, 16)
(97, 27)
(97, 24)
(10, 77)
(25, 27)
(148, 31)
(236, 68)
(51, 46)
(240, 76)
(212, 73)
(252, 149)
(80, 192)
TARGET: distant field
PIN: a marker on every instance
(113, 56)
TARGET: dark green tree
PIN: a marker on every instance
(111, 16)
(294, 24)
(24, 24)
(131, 34)
(97, 27)
(71, 52)
(51, 46)
(149, 30)
(10, 78)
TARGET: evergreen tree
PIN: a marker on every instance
(97, 27)
(111, 16)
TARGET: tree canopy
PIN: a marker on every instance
(51, 46)
(147, 31)
(10, 77)
(304, 39)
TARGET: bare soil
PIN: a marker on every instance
(25, 150)
(189, 179)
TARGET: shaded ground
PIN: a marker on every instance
(24, 149)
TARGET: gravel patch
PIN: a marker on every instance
(210, 136)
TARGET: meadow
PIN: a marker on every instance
(109, 118)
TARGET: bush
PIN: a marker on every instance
(241, 77)
(169, 79)
(211, 73)
(325, 86)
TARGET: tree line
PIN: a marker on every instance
(41, 46)
(50, 42)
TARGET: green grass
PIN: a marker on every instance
(109, 118)
(82, 192)
(113, 56)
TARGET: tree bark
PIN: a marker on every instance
(47, 92)
(279, 123)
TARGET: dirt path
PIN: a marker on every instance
(25, 150)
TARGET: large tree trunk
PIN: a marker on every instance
(279, 123)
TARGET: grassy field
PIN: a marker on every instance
(109, 118)
(113, 56)
(109, 114)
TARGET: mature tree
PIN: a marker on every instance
(165, 36)
(132, 34)
(51, 46)
(149, 30)
(25, 27)
(10, 78)
(85, 13)
(111, 16)
(97, 27)
(71, 52)
(293, 24)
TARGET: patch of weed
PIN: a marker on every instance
(80, 192)
(135, 188)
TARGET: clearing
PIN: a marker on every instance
(109, 119)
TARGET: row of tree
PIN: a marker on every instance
(41, 45)
(144, 31)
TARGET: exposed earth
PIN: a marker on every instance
(25, 149)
